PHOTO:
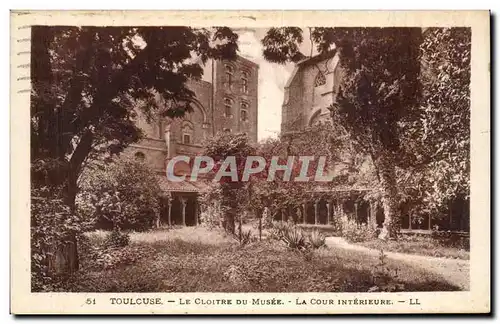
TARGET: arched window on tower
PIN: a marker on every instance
(319, 82)
(320, 79)
(244, 82)
(244, 111)
(229, 76)
(228, 108)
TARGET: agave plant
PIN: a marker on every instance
(316, 239)
(294, 238)
(279, 229)
(246, 237)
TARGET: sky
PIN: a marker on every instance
(272, 80)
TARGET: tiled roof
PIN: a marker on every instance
(183, 186)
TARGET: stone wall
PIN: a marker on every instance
(305, 103)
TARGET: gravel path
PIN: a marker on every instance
(452, 270)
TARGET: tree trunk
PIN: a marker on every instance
(229, 221)
(75, 167)
(68, 251)
(387, 172)
(64, 259)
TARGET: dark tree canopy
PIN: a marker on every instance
(379, 87)
(89, 81)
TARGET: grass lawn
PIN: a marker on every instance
(195, 259)
(418, 245)
(326, 230)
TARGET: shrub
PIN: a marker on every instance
(451, 239)
(96, 238)
(125, 194)
(105, 258)
(267, 219)
(293, 237)
(117, 239)
(384, 277)
(316, 239)
(86, 208)
(354, 232)
(211, 216)
(245, 238)
(278, 230)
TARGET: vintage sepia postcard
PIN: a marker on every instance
(250, 162)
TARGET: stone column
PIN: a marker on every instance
(328, 208)
(200, 211)
(169, 217)
(158, 219)
(304, 215)
(356, 211)
(316, 212)
(184, 203)
(370, 214)
(196, 212)
(373, 214)
(282, 214)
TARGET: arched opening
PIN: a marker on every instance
(229, 70)
(176, 211)
(322, 212)
(191, 211)
(228, 107)
(187, 132)
(244, 111)
(309, 213)
(244, 82)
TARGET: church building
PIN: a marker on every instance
(226, 101)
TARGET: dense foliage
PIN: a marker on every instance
(321, 140)
(88, 83)
(404, 100)
(354, 232)
(230, 194)
(125, 194)
(439, 139)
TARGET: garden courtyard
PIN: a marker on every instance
(200, 259)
